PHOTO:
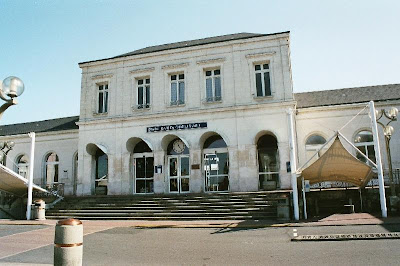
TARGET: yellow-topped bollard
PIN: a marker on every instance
(68, 242)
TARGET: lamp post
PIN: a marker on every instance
(10, 89)
(5, 148)
(388, 132)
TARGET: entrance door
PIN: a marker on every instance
(178, 174)
(216, 170)
(144, 174)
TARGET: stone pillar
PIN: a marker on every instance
(248, 172)
(284, 156)
(126, 174)
(160, 180)
(85, 180)
(196, 175)
(234, 184)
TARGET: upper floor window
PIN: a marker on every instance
(143, 90)
(177, 89)
(314, 144)
(263, 84)
(364, 141)
(213, 85)
(102, 106)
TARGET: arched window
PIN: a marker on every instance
(22, 163)
(268, 163)
(364, 141)
(52, 163)
(216, 164)
(314, 144)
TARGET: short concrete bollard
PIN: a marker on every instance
(68, 242)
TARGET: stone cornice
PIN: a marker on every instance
(141, 70)
(102, 76)
(211, 61)
(257, 55)
(172, 66)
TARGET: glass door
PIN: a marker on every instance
(144, 174)
(216, 168)
(178, 174)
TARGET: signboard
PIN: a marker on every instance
(177, 127)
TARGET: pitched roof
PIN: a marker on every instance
(190, 43)
(65, 123)
(348, 96)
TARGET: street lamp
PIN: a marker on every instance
(388, 132)
(5, 148)
(10, 89)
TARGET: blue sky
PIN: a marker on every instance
(334, 44)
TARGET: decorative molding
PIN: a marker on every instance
(175, 66)
(256, 55)
(102, 76)
(141, 70)
(210, 61)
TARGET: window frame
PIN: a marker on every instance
(214, 98)
(105, 97)
(365, 145)
(262, 72)
(259, 59)
(177, 82)
(146, 102)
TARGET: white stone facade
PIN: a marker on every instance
(240, 117)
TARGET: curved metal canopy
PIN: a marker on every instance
(337, 164)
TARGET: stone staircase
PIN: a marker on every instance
(213, 206)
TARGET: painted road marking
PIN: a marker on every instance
(341, 237)
(294, 232)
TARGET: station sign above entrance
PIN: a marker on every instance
(177, 127)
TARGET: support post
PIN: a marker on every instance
(293, 164)
(378, 157)
(30, 179)
(304, 198)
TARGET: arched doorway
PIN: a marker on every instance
(22, 165)
(178, 163)
(99, 168)
(51, 168)
(216, 164)
(101, 176)
(268, 163)
(143, 168)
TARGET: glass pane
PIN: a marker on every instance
(140, 81)
(100, 87)
(185, 184)
(23, 159)
(208, 73)
(214, 142)
(223, 183)
(181, 76)
(106, 101)
(147, 96)
(102, 166)
(265, 66)
(268, 181)
(209, 93)
(140, 186)
(149, 167)
(258, 84)
(223, 163)
(217, 81)
(364, 136)
(174, 96)
(147, 81)
(268, 160)
(359, 156)
(173, 167)
(173, 185)
(315, 140)
(217, 72)
(371, 153)
(50, 173)
(181, 92)
(140, 168)
(173, 77)
(100, 103)
(184, 166)
(140, 95)
(106, 87)
(267, 84)
(258, 67)
(55, 173)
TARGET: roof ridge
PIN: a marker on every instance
(360, 87)
(38, 121)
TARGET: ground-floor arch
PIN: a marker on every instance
(99, 168)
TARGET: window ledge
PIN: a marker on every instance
(176, 105)
(143, 109)
(100, 114)
(260, 98)
(211, 102)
